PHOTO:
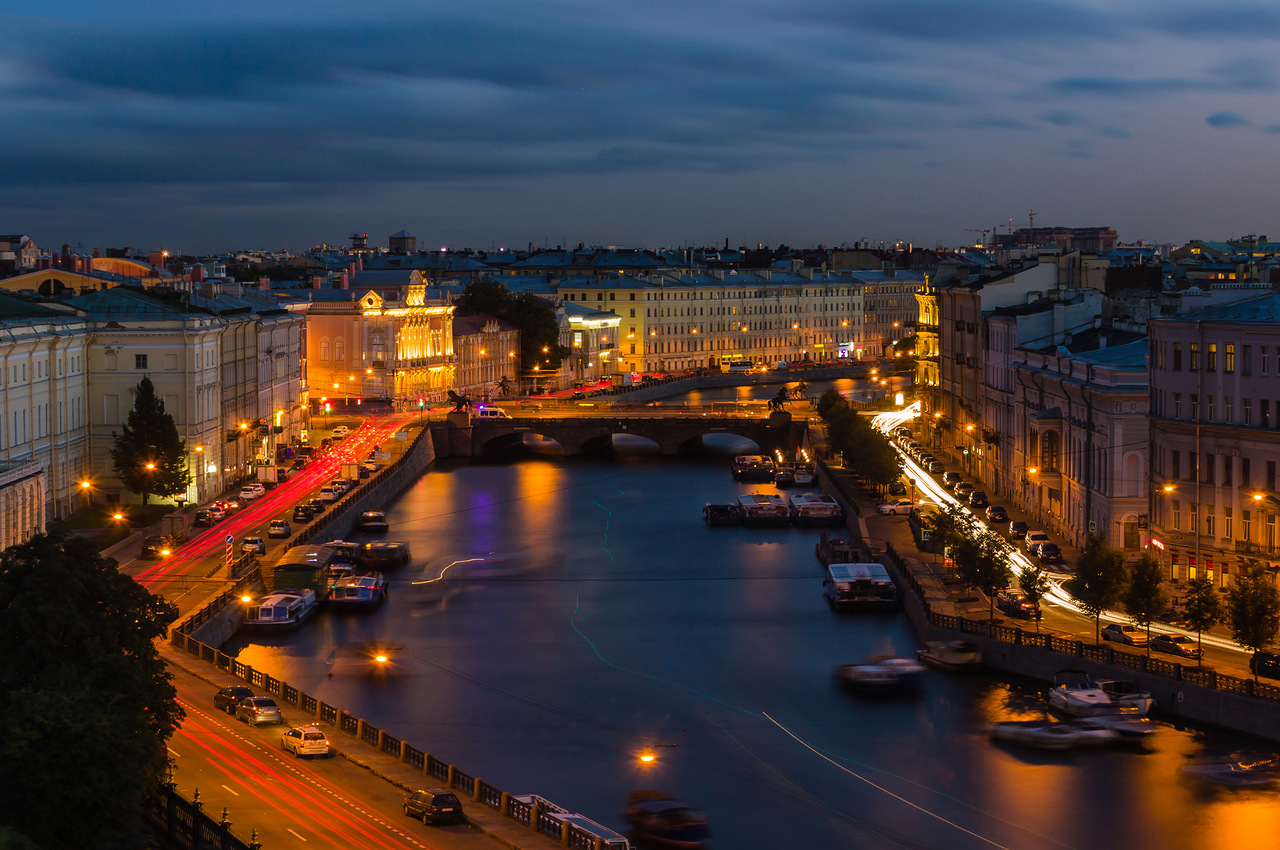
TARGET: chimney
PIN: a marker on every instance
(351, 269)
(807, 273)
(197, 273)
(360, 263)
(343, 281)
(317, 282)
(264, 283)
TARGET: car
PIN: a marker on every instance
(248, 494)
(897, 506)
(258, 710)
(371, 466)
(203, 519)
(963, 489)
(1263, 663)
(1034, 538)
(434, 805)
(936, 467)
(1049, 553)
(344, 483)
(897, 488)
(950, 480)
(257, 487)
(1015, 603)
(302, 513)
(926, 459)
(253, 545)
(328, 493)
(278, 528)
(229, 697)
(904, 433)
(305, 741)
(1176, 644)
(227, 506)
(157, 546)
(341, 432)
(912, 447)
(300, 463)
(1018, 529)
(1124, 633)
(996, 513)
(217, 512)
(166, 612)
(317, 506)
(978, 499)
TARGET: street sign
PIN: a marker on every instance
(926, 533)
(230, 550)
(1093, 526)
(402, 435)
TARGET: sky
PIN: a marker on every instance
(280, 124)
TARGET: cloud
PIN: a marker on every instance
(1123, 87)
(1062, 117)
(1226, 120)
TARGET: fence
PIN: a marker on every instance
(185, 826)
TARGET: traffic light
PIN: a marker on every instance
(422, 402)
(359, 401)
(328, 408)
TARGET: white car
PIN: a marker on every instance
(247, 494)
(897, 506)
(1034, 539)
(341, 432)
(253, 545)
(305, 741)
(1124, 633)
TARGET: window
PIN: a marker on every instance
(1248, 412)
(1244, 526)
(1262, 352)
(1208, 522)
(1229, 357)
(1245, 476)
(1211, 358)
(1212, 415)
(1228, 409)
(1177, 357)
(1271, 476)
(1177, 405)
(633, 313)
(1264, 418)
(1226, 523)
(1195, 408)
(1175, 463)
(1228, 468)
(1209, 460)
(139, 361)
(1177, 515)
(1195, 357)
(632, 298)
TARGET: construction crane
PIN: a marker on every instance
(983, 231)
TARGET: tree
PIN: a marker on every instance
(1253, 610)
(536, 319)
(1035, 584)
(1099, 581)
(981, 565)
(87, 702)
(1144, 598)
(149, 455)
(1201, 608)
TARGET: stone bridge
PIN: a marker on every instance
(673, 434)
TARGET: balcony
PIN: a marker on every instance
(1248, 547)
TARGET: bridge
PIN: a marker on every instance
(462, 436)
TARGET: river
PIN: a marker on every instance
(564, 615)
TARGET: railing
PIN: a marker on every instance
(185, 826)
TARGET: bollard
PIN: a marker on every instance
(504, 805)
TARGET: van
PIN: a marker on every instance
(741, 367)
(491, 413)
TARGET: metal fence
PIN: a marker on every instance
(185, 826)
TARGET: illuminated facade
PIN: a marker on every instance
(590, 336)
(487, 350)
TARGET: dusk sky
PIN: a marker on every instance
(209, 127)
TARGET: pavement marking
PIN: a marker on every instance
(228, 787)
(299, 836)
(172, 753)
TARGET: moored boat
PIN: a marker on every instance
(881, 674)
(959, 655)
(721, 515)
(281, 610)
(366, 591)
(1040, 734)
(1126, 723)
(1241, 771)
(753, 468)
(372, 521)
(1076, 694)
(763, 509)
(815, 509)
(659, 817)
(784, 475)
(805, 475)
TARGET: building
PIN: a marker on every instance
(1096, 240)
(403, 242)
(1215, 407)
(487, 356)
(22, 502)
(591, 338)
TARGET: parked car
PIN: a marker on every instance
(936, 467)
(1049, 553)
(434, 805)
(978, 499)
(950, 479)
(1033, 539)
(996, 513)
(963, 489)
(278, 528)
(897, 488)
(157, 546)
(1263, 663)
(302, 513)
(341, 432)
(203, 519)
(248, 494)
(1124, 633)
(1015, 603)
(1018, 530)
(229, 697)
(305, 741)
(300, 463)
(254, 545)
(1176, 645)
(897, 506)
(258, 710)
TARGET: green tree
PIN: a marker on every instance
(950, 526)
(1201, 608)
(1253, 610)
(1099, 580)
(87, 701)
(536, 319)
(1145, 598)
(980, 565)
(1035, 584)
(149, 455)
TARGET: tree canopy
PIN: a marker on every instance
(87, 701)
(149, 455)
(1100, 579)
(1201, 607)
(536, 319)
(1035, 584)
(868, 456)
(1253, 609)
(1145, 598)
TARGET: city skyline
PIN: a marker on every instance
(244, 126)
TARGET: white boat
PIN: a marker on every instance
(959, 655)
(1248, 771)
(1040, 734)
(815, 509)
(1092, 734)
(718, 516)
(1126, 723)
(859, 585)
(763, 509)
(1075, 693)
(805, 475)
(281, 610)
(1124, 695)
(367, 591)
(881, 673)
(372, 521)
(753, 468)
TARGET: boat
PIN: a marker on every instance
(753, 468)
(281, 610)
(815, 509)
(881, 674)
(859, 585)
(834, 551)
(1125, 695)
(805, 474)
(383, 555)
(358, 591)
(959, 655)
(1040, 734)
(1126, 723)
(659, 817)
(1242, 771)
(1093, 734)
(784, 475)
(1075, 693)
(721, 515)
(763, 509)
(372, 521)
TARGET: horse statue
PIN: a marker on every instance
(779, 402)
(460, 402)
(504, 386)
(801, 389)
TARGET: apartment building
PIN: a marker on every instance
(486, 351)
